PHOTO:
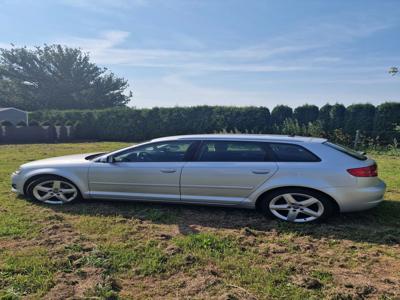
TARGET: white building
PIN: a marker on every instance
(13, 115)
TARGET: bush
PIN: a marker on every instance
(387, 118)
(33, 123)
(279, 114)
(360, 117)
(291, 127)
(21, 124)
(306, 113)
(130, 124)
(45, 123)
(337, 116)
(324, 117)
(6, 123)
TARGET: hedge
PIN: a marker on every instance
(130, 124)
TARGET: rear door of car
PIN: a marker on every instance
(226, 171)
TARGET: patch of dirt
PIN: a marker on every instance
(308, 282)
(178, 286)
(74, 286)
(55, 236)
(205, 284)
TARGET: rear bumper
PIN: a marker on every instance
(352, 199)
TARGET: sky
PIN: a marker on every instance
(225, 52)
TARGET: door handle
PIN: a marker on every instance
(168, 170)
(260, 171)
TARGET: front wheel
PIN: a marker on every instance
(53, 190)
(297, 205)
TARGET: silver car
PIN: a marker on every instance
(296, 179)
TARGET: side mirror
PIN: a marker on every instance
(110, 159)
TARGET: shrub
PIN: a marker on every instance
(279, 114)
(45, 123)
(6, 123)
(130, 124)
(337, 116)
(324, 117)
(291, 127)
(360, 117)
(33, 123)
(21, 124)
(306, 113)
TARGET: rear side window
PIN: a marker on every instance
(346, 150)
(292, 153)
(233, 151)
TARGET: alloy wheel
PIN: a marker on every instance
(296, 207)
(55, 192)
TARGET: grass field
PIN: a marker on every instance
(109, 250)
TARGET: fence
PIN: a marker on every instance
(35, 134)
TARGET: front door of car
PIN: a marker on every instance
(147, 172)
(226, 172)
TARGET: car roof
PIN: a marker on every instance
(245, 137)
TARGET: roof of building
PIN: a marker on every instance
(13, 108)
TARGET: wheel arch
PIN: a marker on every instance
(265, 193)
(37, 176)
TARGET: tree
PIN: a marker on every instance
(57, 77)
(279, 114)
(360, 117)
(387, 116)
(306, 113)
(387, 119)
(324, 117)
(337, 116)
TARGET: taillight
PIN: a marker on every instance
(370, 171)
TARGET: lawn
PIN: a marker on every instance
(112, 250)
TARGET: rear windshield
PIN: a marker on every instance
(346, 150)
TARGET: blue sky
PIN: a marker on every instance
(225, 52)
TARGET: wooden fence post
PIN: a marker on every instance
(357, 138)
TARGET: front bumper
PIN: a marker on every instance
(17, 184)
(352, 199)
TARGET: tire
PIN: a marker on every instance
(53, 190)
(297, 205)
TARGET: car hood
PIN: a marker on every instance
(60, 160)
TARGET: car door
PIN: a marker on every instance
(226, 172)
(148, 172)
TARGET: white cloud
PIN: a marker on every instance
(105, 5)
(106, 50)
(297, 51)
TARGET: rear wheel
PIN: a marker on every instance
(297, 205)
(53, 190)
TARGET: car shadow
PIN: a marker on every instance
(380, 225)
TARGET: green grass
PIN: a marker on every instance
(26, 271)
(114, 250)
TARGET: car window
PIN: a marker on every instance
(233, 151)
(170, 151)
(292, 153)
